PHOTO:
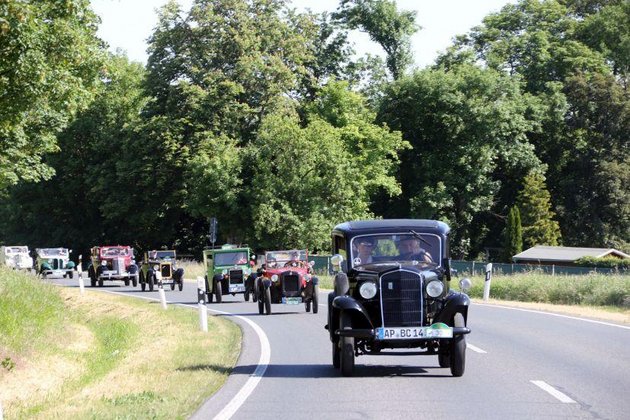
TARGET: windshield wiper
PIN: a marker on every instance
(417, 235)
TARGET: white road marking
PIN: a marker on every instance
(263, 362)
(553, 391)
(475, 348)
(552, 314)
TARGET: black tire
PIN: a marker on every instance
(134, 280)
(218, 291)
(100, 282)
(71, 274)
(143, 282)
(444, 359)
(173, 285)
(208, 291)
(336, 353)
(268, 301)
(458, 349)
(261, 304)
(92, 276)
(150, 280)
(180, 284)
(126, 282)
(246, 295)
(346, 350)
(307, 305)
(315, 299)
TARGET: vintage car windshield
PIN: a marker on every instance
(420, 248)
(114, 252)
(230, 258)
(52, 252)
(16, 250)
(162, 255)
(280, 258)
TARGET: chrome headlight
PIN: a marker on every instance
(367, 290)
(274, 278)
(435, 288)
(156, 267)
(465, 284)
(224, 272)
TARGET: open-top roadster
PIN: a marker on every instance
(391, 291)
(286, 277)
(160, 267)
(112, 263)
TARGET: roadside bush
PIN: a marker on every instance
(607, 262)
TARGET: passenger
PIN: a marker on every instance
(365, 247)
(410, 250)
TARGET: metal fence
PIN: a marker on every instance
(323, 266)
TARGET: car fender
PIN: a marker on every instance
(348, 304)
(453, 303)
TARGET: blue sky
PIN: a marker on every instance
(126, 24)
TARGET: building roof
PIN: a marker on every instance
(565, 253)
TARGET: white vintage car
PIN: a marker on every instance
(16, 257)
(54, 262)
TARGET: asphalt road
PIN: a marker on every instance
(520, 364)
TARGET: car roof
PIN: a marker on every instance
(352, 228)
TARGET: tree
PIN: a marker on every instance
(385, 25)
(539, 227)
(466, 126)
(50, 59)
(513, 237)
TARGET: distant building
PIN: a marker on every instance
(563, 255)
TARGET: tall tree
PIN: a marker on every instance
(50, 59)
(386, 25)
(539, 226)
(513, 236)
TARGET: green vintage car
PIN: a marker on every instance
(160, 267)
(54, 262)
(228, 271)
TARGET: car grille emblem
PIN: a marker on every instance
(390, 285)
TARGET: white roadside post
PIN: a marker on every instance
(486, 285)
(80, 275)
(158, 276)
(201, 298)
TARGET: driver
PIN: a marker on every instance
(410, 250)
(294, 261)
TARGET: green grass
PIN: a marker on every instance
(127, 358)
(192, 269)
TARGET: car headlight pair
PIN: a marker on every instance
(434, 288)
(368, 290)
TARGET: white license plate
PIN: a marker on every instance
(292, 300)
(237, 288)
(410, 333)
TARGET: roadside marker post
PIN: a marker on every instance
(158, 276)
(486, 285)
(80, 274)
(201, 298)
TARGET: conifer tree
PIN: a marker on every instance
(513, 234)
(534, 201)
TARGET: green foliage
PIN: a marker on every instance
(539, 226)
(605, 262)
(513, 234)
(50, 59)
(598, 290)
(385, 25)
(466, 126)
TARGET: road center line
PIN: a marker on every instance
(263, 362)
(475, 348)
(553, 391)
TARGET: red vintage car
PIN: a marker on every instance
(112, 263)
(286, 277)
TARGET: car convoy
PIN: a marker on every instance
(391, 286)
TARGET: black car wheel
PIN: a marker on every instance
(458, 348)
(336, 353)
(92, 276)
(261, 304)
(208, 291)
(126, 282)
(347, 346)
(315, 299)
(134, 280)
(180, 284)
(246, 295)
(71, 274)
(150, 280)
(218, 291)
(268, 301)
(143, 283)
(100, 282)
(173, 285)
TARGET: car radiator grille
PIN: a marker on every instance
(291, 285)
(236, 276)
(401, 299)
(166, 271)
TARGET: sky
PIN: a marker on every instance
(127, 24)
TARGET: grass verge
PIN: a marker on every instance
(104, 356)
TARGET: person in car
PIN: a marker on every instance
(294, 261)
(365, 247)
(410, 250)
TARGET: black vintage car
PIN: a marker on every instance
(391, 291)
